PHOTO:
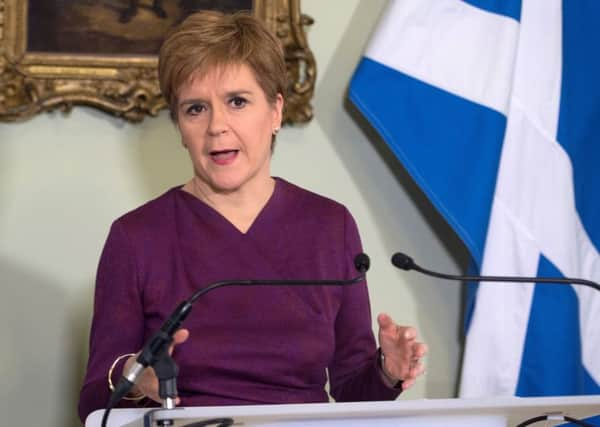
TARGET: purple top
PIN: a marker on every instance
(248, 344)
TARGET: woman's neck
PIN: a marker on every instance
(240, 207)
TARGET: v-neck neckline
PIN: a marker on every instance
(203, 208)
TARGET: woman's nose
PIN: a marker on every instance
(218, 121)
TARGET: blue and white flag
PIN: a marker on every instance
(493, 106)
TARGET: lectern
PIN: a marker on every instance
(494, 412)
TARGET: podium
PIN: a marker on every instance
(490, 412)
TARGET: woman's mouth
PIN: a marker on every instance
(223, 157)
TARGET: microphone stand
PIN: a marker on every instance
(405, 262)
(155, 352)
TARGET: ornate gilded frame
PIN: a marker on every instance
(127, 86)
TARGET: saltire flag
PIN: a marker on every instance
(494, 109)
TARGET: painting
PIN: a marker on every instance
(130, 27)
(56, 54)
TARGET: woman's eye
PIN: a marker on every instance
(195, 109)
(238, 101)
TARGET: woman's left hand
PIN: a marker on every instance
(402, 352)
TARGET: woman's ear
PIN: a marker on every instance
(278, 111)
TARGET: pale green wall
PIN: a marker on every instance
(63, 179)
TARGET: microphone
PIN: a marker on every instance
(404, 262)
(362, 263)
(158, 344)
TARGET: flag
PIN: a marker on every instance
(493, 107)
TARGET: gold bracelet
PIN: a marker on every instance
(110, 371)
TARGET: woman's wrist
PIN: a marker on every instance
(387, 377)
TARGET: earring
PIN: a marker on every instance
(276, 130)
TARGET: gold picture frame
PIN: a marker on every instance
(37, 80)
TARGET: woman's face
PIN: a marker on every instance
(226, 123)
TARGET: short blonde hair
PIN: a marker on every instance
(208, 39)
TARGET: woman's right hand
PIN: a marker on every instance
(147, 382)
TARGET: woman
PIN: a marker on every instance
(224, 78)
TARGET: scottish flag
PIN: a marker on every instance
(493, 106)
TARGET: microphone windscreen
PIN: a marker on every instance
(362, 262)
(402, 261)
